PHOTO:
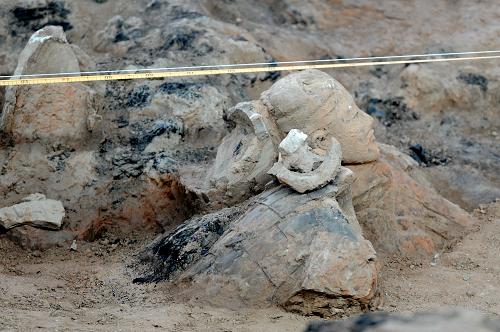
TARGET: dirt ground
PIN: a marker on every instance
(91, 289)
(467, 275)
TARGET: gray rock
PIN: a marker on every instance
(119, 35)
(34, 210)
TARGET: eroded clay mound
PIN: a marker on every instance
(53, 114)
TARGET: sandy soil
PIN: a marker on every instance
(91, 289)
(468, 275)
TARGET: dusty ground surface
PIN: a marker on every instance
(466, 275)
(91, 289)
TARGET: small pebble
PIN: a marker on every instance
(74, 246)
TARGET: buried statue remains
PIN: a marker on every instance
(298, 247)
(290, 235)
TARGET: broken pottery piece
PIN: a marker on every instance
(295, 153)
(292, 142)
(302, 169)
(304, 252)
(247, 153)
(34, 210)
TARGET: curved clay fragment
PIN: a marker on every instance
(295, 166)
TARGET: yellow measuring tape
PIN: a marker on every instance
(197, 71)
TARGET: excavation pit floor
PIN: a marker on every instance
(91, 289)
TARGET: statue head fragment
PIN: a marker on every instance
(321, 107)
(308, 106)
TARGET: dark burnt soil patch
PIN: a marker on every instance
(142, 134)
(174, 252)
(27, 18)
(474, 79)
(2, 97)
(179, 13)
(426, 157)
(184, 90)
(138, 97)
(181, 39)
(187, 39)
(390, 110)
